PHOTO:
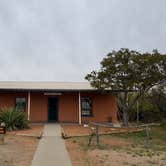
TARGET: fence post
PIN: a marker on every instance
(2, 137)
(147, 136)
(97, 134)
(2, 133)
(137, 113)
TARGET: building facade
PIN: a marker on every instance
(59, 102)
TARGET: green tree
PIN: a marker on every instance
(126, 71)
(158, 97)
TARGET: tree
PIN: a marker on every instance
(158, 97)
(128, 71)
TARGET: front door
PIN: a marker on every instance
(53, 109)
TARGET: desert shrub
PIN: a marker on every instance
(148, 110)
(158, 97)
(13, 119)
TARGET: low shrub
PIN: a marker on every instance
(163, 125)
(13, 119)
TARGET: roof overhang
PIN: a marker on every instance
(45, 86)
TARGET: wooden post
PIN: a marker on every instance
(147, 136)
(79, 107)
(2, 134)
(2, 139)
(97, 134)
(29, 104)
(137, 113)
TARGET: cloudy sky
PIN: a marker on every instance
(63, 40)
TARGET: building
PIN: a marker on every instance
(59, 101)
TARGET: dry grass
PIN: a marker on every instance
(120, 149)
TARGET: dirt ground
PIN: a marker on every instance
(34, 130)
(19, 150)
(117, 150)
(110, 155)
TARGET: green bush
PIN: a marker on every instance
(148, 111)
(13, 119)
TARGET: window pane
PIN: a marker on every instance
(86, 106)
(21, 104)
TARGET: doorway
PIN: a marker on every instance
(52, 109)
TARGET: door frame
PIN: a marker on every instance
(57, 111)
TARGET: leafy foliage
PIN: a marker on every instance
(127, 71)
(158, 97)
(13, 119)
(147, 109)
(152, 106)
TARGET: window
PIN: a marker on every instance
(86, 107)
(20, 104)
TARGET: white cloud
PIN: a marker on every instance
(64, 40)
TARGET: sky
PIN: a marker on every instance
(63, 40)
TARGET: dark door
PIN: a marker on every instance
(52, 109)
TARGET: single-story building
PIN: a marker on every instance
(59, 101)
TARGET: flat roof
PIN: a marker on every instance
(27, 85)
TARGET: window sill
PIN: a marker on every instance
(87, 116)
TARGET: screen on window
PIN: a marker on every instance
(20, 104)
(86, 107)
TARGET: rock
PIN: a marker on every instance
(116, 125)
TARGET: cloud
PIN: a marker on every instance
(58, 40)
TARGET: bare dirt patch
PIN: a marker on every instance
(76, 153)
(33, 130)
(19, 150)
(115, 158)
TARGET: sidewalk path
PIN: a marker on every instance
(51, 150)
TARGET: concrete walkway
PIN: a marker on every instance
(51, 150)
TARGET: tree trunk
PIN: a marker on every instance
(125, 118)
(124, 105)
